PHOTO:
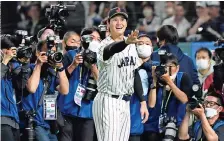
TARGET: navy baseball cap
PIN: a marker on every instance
(117, 11)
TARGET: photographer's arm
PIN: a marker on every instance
(63, 83)
(207, 129)
(152, 93)
(77, 60)
(183, 129)
(34, 79)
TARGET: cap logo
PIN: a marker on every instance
(118, 9)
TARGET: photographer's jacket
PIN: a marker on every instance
(9, 112)
(66, 103)
(31, 102)
(174, 107)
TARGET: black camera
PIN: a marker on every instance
(161, 69)
(89, 57)
(57, 14)
(197, 92)
(91, 90)
(53, 56)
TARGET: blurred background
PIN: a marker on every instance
(195, 21)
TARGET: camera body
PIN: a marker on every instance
(57, 13)
(197, 92)
(53, 56)
(161, 69)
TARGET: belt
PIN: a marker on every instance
(125, 97)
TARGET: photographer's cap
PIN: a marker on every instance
(213, 3)
(201, 4)
(117, 11)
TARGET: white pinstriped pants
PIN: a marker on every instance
(111, 117)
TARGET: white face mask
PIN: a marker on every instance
(173, 76)
(144, 51)
(94, 46)
(202, 64)
(147, 12)
(210, 112)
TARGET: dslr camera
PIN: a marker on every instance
(197, 92)
(161, 69)
(53, 56)
(56, 15)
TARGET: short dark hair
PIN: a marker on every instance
(89, 30)
(149, 5)
(171, 58)
(205, 50)
(169, 34)
(37, 4)
(6, 43)
(144, 35)
(218, 96)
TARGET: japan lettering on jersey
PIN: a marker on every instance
(116, 75)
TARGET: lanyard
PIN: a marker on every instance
(166, 102)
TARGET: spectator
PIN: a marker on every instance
(178, 21)
(173, 104)
(104, 8)
(144, 50)
(202, 17)
(36, 22)
(93, 18)
(216, 23)
(209, 127)
(168, 40)
(150, 23)
(71, 40)
(169, 8)
(204, 65)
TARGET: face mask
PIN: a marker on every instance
(67, 48)
(173, 76)
(147, 12)
(202, 64)
(144, 51)
(210, 112)
(94, 46)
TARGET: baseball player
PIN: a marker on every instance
(117, 62)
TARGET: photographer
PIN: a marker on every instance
(41, 85)
(77, 111)
(167, 98)
(168, 40)
(71, 40)
(209, 127)
(9, 112)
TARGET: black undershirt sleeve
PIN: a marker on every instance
(138, 86)
(113, 48)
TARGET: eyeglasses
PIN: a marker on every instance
(211, 103)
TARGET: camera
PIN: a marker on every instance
(170, 130)
(197, 92)
(57, 13)
(161, 69)
(91, 90)
(53, 56)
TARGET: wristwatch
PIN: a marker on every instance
(152, 86)
(60, 69)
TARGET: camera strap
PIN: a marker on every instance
(164, 105)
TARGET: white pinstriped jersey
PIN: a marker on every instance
(116, 75)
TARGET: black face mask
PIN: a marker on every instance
(67, 48)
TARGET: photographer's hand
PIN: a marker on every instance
(199, 112)
(42, 58)
(144, 111)
(166, 78)
(76, 61)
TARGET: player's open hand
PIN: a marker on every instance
(133, 38)
(144, 112)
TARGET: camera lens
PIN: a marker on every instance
(58, 57)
